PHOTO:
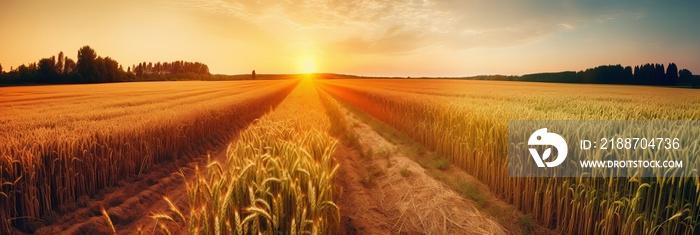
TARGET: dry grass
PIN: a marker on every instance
(58, 143)
(108, 219)
(467, 122)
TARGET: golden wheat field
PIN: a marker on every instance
(60, 143)
(466, 121)
(307, 155)
(277, 177)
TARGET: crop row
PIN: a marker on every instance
(276, 178)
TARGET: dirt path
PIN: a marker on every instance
(385, 192)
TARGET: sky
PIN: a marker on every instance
(371, 38)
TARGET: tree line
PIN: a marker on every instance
(91, 68)
(176, 67)
(646, 74)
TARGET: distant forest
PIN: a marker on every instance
(647, 74)
(91, 68)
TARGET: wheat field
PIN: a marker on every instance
(60, 143)
(466, 121)
(278, 172)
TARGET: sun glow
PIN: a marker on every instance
(307, 65)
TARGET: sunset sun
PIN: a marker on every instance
(307, 65)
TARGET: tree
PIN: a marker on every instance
(26, 74)
(659, 74)
(176, 67)
(648, 74)
(158, 68)
(686, 77)
(111, 72)
(629, 77)
(68, 66)
(253, 74)
(59, 62)
(86, 64)
(47, 71)
(0, 69)
(672, 74)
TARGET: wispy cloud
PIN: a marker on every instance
(567, 26)
(342, 26)
(399, 26)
